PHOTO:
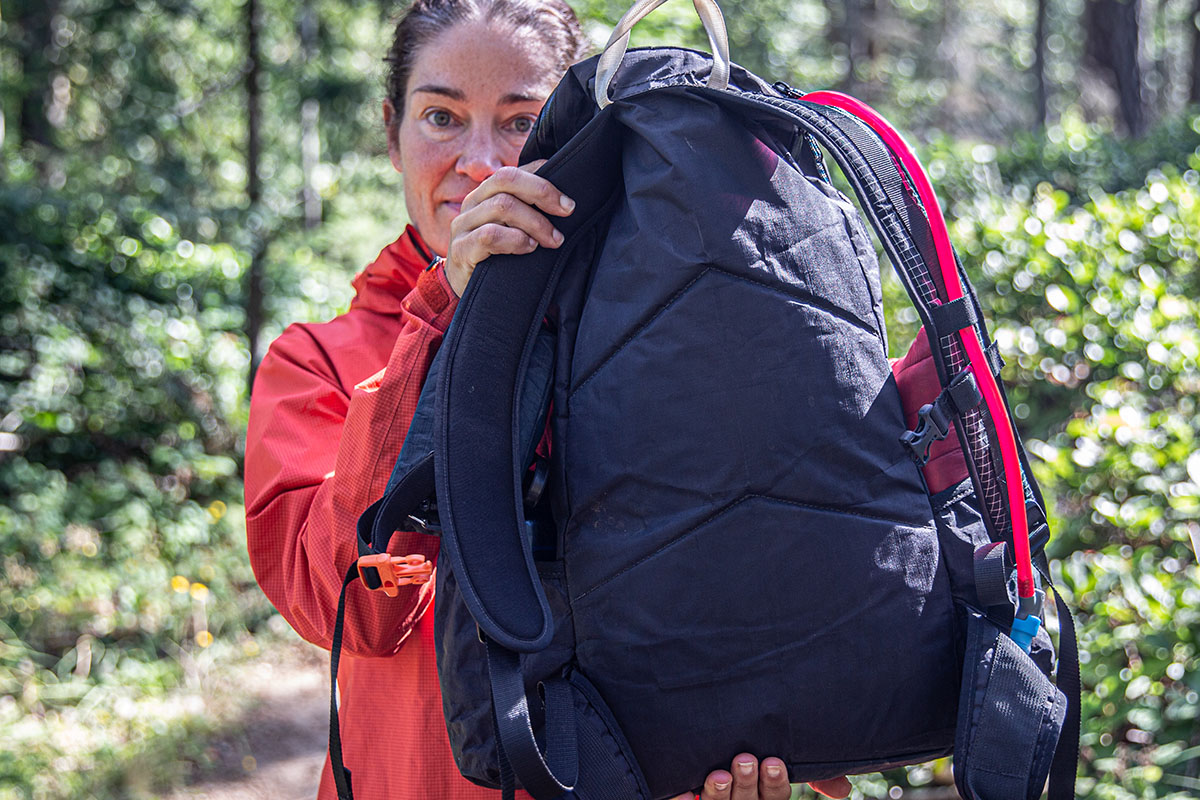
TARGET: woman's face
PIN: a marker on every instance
(471, 100)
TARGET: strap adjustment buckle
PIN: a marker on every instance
(389, 572)
(960, 395)
(933, 425)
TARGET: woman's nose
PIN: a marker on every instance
(483, 153)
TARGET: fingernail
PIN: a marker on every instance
(745, 767)
(567, 203)
(773, 770)
(719, 785)
(557, 236)
(531, 242)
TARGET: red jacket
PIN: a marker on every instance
(331, 405)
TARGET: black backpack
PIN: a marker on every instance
(730, 533)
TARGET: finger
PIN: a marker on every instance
(511, 211)
(534, 166)
(532, 189)
(716, 785)
(745, 777)
(834, 787)
(489, 240)
(773, 780)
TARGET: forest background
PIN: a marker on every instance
(179, 180)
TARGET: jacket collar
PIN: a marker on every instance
(382, 286)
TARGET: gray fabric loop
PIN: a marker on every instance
(618, 43)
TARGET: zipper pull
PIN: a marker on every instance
(786, 91)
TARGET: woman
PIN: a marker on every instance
(333, 401)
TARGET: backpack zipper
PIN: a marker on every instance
(786, 91)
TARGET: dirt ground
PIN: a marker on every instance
(276, 750)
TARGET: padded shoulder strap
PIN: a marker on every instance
(476, 432)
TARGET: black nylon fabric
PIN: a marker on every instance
(724, 416)
(1010, 717)
(747, 552)
(463, 674)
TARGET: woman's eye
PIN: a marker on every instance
(439, 118)
(522, 124)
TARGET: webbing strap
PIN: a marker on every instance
(992, 568)
(543, 776)
(487, 353)
(1066, 758)
(341, 775)
(953, 316)
(995, 360)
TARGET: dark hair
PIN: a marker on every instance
(552, 20)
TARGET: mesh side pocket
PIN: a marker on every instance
(1009, 719)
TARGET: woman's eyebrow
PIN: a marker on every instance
(453, 94)
(513, 99)
(510, 99)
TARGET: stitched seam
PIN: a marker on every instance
(810, 299)
(725, 510)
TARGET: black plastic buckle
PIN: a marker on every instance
(1039, 537)
(933, 425)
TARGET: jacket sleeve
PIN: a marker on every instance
(316, 457)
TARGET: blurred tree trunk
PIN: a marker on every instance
(856, 32)
(954, 67)
(1162, 65)
(1194, 89)
(310, 112)
(33, 37)
(1112, 38)
(1040, 94)
(254, 295)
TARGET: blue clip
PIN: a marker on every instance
(1028, 621)
(1024, 629)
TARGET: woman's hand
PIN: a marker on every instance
(499, 216)
(746, 781)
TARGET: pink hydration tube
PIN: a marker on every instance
(970, 339)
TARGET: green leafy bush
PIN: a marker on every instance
(1072, 156)
(1095, 309)
(122, 376)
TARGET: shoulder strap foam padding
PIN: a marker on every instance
(476, 433)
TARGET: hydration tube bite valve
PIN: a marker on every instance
(996, 583)
(1028, 618)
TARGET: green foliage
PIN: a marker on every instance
(1095, 309)
(123, 362)
(122, 375)
(1072, 156)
